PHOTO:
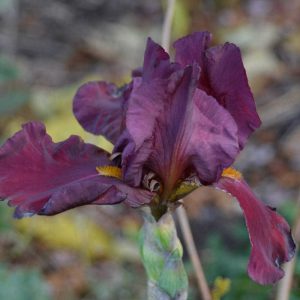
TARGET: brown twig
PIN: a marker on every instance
(167, 26)
(191, 248)
(284, 288)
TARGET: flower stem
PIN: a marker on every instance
(191, 248)
(285, 285)
(183, 220)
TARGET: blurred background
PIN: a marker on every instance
(48, 48)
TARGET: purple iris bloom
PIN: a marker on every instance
(175, 126)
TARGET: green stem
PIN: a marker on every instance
(158, 210)
(161, 253)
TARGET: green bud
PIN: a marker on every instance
(161, 253)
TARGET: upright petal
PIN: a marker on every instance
(228, 83)
(98, 107)
(133, 157)
(222, 76)
(156, 62)
(269, 233)
(173, 126)
(213, 142)
(41, 177)
(191, 48)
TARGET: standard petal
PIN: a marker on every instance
(156, 62)
(223, 76)
(228, 83)
(213, 143)
(151, 130)
(269, 233)
(173, 126)
(133, 158)
(98, 107)
(191, 48)
(38, 176)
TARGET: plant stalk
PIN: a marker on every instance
(285, 285)
(183, 220)
(167, 26)
(191, 248)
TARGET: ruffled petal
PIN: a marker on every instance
(133, 158)
(222, 76)
(213, 143)
(99, 190)
(173, 126)
(228, 83)
(38, 176)
(99, 108)
(269, 233)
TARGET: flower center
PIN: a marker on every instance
(151, 182)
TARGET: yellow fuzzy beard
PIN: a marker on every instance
(232, 173)
(110, 171)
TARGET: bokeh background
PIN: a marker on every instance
(48, 48)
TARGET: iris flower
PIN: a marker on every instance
(175, 126)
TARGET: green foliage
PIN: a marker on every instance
(123, 283)
(12, 93)
(8, 71)
(289, 211)
(231, 262)
(77, 231)
(5, 218)
(11, 100)
(182, 20)
(21, 284)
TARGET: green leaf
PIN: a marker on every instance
(8, 71)
(12, 93)
(182, 19)
(11, 100)
(173, 278)
(5, 218)
(22, 284)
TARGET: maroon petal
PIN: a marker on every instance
(99, 190)
(98, 107)
(228, 83)
(41, 177)
(174, 126)
(213, 142)
(191, 48)
(269, 233)
(156, 62)
(133, 158)
(222, 76)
